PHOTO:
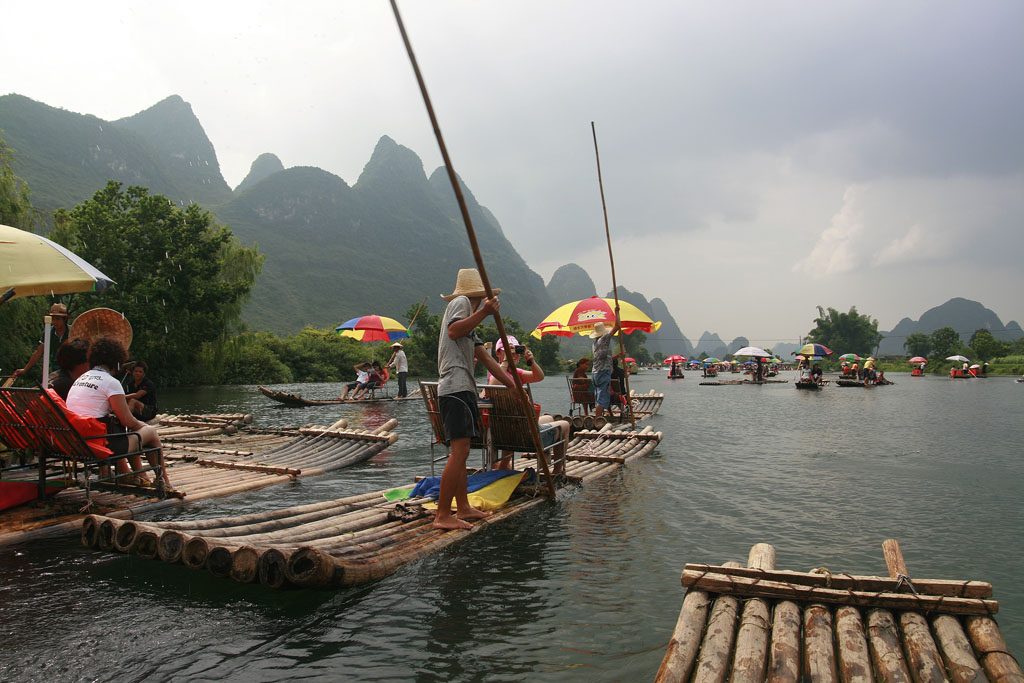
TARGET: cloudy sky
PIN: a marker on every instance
(759, 158)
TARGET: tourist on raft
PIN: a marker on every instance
(401, 365)
(362, 374)
(816, 374)
(581, 384)
(73, 361)
(97, 394)
(58, 335)
(534, 374)
(373, 380)
(140, 392)
(458, 344)
(602, 363)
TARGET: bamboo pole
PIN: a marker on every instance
(886, 650)
(999, 664)
(751, 649)
(923, 659)
(784, 652)
(713, 663)
(819, 655)
(681, 654)
(471, 234)
(854, 657)
(615, 286)
(956, 651)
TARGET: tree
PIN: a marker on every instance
(918, 344)
(986, 347)
(20, 319)
(845, 332)
(945, 343)
(181, 278)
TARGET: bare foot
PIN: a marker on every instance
(472, 513)
(450, 522)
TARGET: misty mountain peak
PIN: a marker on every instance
(264, 166)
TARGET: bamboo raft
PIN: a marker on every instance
(295, 400)
(734, 382)
(859, 383)
(207, 456)
(342, 542)
(759, 624)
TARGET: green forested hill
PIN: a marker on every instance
(395, 237)
(65, 157)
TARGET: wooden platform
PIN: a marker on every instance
(758, 624)
(208, 456)
(343, 542)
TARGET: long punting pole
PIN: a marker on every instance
(417, 313)
(534, 431)
(615, 286)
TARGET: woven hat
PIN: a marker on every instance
(59, 309)
(468, 283)
(102, 322)
(398, 344)
(599, 331)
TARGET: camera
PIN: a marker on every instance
(520, 349)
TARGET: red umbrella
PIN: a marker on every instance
(675, 359)
(918, 359)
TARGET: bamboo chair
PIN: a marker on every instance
(581, 396)
(428, 390)
(45, 429)
(508, 429)
(384, 388)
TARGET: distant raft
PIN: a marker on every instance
(343, 542)
(296, 400)
(759, 624)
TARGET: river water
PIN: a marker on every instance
(584, 588)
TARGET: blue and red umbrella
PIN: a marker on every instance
(371, 328)
(813, 350)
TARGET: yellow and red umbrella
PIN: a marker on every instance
(371, 328)
(579, 317)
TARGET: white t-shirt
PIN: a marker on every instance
(90, 395)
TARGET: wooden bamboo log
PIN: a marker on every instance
(923, 659)
(90, 530)
(852, 645)
(681, 655)
(219, 561)
(713, 663)
(245, 564)
(124, 537)
(170, 545)
(988, 641)
(739, 585)
(886, 649)
(751, 651)
(959, 589)
(784, 651)
(819, 654)
(272, 469)
(195, 552)
(272, 566)
(956, 650)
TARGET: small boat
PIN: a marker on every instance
(295, 400)
(810, 386)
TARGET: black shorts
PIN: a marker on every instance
(459, 414)
(148, 413)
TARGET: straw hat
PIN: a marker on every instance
(469, 284)
(599, 331)
(102, 322)
(397, 344)
(59, 309)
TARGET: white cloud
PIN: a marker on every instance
(837, 249)
(903, 249)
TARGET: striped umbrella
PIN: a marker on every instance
(371, 328)
(850, 357)
(813, 350)
(579, 317)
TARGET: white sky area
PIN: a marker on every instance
(759, 158)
